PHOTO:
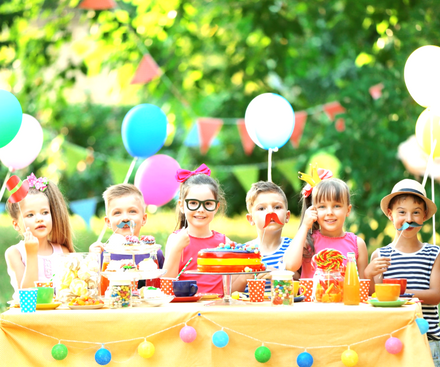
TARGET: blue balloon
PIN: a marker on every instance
(304, 360)
(11, 116)
(144, 130)
(423, 325)
(220, 339)
(103, 356)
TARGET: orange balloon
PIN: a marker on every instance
(427, 130)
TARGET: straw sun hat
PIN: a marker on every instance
(409, 187)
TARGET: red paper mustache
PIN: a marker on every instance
(271, 216)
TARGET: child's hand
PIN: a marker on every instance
(377, 266)
(30, 242)
(96, 247)
(182, 239)
(310, 217)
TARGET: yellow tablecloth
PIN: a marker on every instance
(325, 330)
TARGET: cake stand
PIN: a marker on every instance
(227, 286)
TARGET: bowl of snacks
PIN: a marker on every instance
(154, 296)
(85, 303)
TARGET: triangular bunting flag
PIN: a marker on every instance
(192, 139)
(333, 109)
(208, 129)
(118, 169)
(146, 71)
(73, 154)
(2, 208)
(97, 4)
(246, 141)
(246, 175)
(289, 170)
(376, 90)
(300, 122)
(84, 208)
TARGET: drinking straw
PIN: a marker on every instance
(186, 265)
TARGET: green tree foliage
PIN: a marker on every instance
(216, 56)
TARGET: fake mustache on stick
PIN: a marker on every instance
(406, 225)
(271, 216)
(126, 223)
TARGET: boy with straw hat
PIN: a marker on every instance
(407, 207)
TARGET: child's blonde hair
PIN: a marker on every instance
(260, 187)
(199, 179)
(120, 190)
(61, 229)
(328, 189)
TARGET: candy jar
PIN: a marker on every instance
(282, 290)
(120, 293)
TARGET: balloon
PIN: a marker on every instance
(26, 145)
(146, 349)
(423, 131)
(423, 325)
(349, 358)
(188, 334)
(155, 178)
(220, 339)
(144, 130)
(269, 120)
(10, 120)
(393, 345)
(103, 356)
(59, 352)
(304, 360)
(422, 75)
(262, 354)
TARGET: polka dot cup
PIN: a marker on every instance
(307, 283)
(256, 289)
(166, 285)
(28, 299)
(364, 289)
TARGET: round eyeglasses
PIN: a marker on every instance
(194, 204)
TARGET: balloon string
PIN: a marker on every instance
(130, 170)
(433, 200)
(2, 190)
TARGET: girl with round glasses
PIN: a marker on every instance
(200, 198)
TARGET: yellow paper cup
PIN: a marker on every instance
(387, 292)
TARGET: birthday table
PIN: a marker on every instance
(325, 330)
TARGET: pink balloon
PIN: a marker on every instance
(26, 145)
(393, 345)
(155, 178)
(188, 334)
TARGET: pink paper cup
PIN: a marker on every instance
(256, 289)
(166, 285)
(307, 283)
(364, 289)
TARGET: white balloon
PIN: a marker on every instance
(422, 75)
(269, 120)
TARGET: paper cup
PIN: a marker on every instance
(166, 285)
(256, 289)
(28, 299)
(307, 283)
(364, 289)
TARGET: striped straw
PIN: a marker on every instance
(186, 265)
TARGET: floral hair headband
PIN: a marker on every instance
(182, 174)
(37, 183)
(318, 174)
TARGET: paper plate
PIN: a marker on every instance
(88, 307)
(397, 303)
(407, 295)
(194, 298)
(158, 301)
(48, 306)
(209, 295)
(299, 299)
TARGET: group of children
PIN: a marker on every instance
(325, 206)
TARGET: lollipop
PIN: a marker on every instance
(329, 259)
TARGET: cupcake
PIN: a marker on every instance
(148, 240)
(131, 241)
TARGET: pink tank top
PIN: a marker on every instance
(206, 283)
(344, 244)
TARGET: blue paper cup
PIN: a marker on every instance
(28, 299)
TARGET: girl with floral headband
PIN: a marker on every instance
(200, 198)
(43, 220)
(325, 206)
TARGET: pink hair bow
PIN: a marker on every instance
(38, 183)
(318, 174)
(183, 174)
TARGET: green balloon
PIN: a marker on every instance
(10, 117)
(262, 354)
(59, 352)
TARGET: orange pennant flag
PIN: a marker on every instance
(97, 4)
(300, 122)
(146, 71)
(246, 141)
(333, 109)
(208, 130)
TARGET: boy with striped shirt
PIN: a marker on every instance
(407, 207)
